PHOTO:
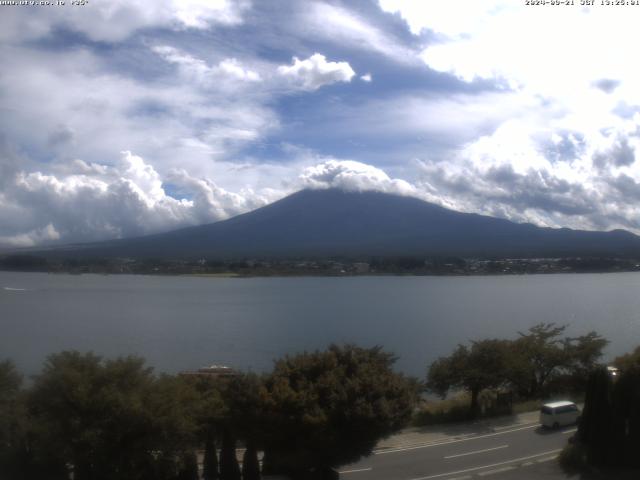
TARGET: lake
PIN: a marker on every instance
(181, 323)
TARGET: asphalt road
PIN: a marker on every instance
(522, 451)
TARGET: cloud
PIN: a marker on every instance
(448, 18)
(527, 173)
(342, 26)
(89, 201)
(315, 72)
(500, 40)
(188, 117)
(471, 108)
(607, 85)
(566, 156)
(41, 236)
(353, 176)
(116, 20)
(197, 70)
(97, 202)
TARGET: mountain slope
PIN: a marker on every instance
(332, 222)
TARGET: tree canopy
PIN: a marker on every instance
(330, 408)
(92, 418)
(526, 364)
(628, 361)
(475, 368)
(111, 418)
(609, 431)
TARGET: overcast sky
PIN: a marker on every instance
(120, 118)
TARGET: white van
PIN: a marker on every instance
(558, 414)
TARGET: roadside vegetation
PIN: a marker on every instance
(608, 437)
(85, 417)
(498, 376)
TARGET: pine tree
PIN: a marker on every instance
(250, 465)
(210, 462)
(229, 468)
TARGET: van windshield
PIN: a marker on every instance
(546, 410)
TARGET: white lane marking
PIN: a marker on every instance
(547, 459)
(497, 470)
(447, 442)
(477, 451)
(513, 460)
(526, 464)
(355, 470)
(497, 429)
(570, 431)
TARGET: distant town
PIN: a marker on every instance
(321, 267)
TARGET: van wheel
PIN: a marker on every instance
(556, 426)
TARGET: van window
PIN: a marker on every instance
(546, 410)
(567, 409)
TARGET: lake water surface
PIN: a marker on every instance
(180, 323)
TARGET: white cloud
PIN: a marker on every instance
(99, 202)
(567, 155)
(500, 39)
(234, 68)
(350, 175)
(441, 16)
(189, 118)
(115, 20)
(39, 236)
(342, 26)
(366, 77)
(202, 13)
(197, 70)
(315, 72)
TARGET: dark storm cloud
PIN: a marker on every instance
(504, 192)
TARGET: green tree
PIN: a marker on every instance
(595, 429)
(13, 426)
(583, 353)
(111, 419)
(535, 356)
(628, 361)
(475, 368)
(542, 354)
(329, 408)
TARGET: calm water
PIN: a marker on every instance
(185, 322)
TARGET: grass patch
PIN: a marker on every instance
(457, 409)
(450, 410)
(525, 406)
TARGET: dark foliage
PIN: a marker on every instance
(330, 408)
(610, 426)
(210, 461)
(188, 467)
(537, 362)
(250, 464)
(229, 468)
(474, 369)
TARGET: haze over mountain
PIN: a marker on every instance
(332, 222)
